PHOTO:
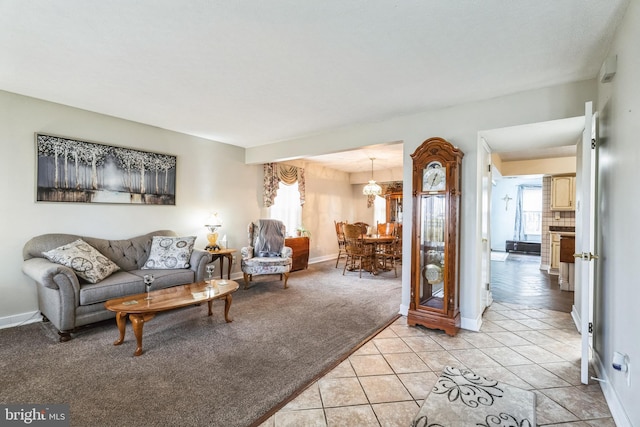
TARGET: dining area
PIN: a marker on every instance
(373, 250)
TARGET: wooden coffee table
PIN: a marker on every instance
(141, 310)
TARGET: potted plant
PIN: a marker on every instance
(301, 231)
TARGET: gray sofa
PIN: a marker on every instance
(69, 302)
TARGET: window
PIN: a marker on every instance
(286, 207)
(532, 211)
(379, 211)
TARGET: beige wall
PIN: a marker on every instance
(210, 176)
(460, 125)
(552, 166)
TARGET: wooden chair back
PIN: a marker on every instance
(386, 228)
(363, 227)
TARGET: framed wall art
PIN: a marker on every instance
(71, 170)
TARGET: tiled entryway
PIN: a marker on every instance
(385, 381)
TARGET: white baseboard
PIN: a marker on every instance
(575, 315)
(318, 259)
(404, 309)
(471, 324)
(20, 319)
(617, 410)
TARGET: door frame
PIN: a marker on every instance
(485, 162)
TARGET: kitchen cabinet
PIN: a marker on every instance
(567, 248)
(567, 261)
(563, 193)
(554, 264)
(300, 247)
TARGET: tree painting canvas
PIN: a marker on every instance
(69, 170)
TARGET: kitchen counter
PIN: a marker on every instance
(562, 229)
(563, 246)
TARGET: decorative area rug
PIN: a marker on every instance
(499, 256)
(461, 398)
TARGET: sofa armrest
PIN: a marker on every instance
(246, 252)
(198, 263)
(60, 279)
(50, 274)
(287, 252)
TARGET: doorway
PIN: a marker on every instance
(523, 159)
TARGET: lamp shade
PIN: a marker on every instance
(213, 221)
(372, 189)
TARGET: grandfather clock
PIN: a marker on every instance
(435, 238)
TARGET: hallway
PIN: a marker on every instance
(519, 280)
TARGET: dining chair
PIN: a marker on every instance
(386, 228)
(398, 233)
(363, 227)
(341, 241)
(360, 256)
(387, 255)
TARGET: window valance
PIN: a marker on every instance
(275, 173)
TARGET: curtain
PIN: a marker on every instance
(275, 173)
(519, 226)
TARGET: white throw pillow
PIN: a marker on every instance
(84, 259)
(169, 253)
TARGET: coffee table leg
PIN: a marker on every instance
(137, 321)
(227, 306)
(121, 321)
(210, 302)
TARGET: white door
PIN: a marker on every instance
(485, 267)
(585, 234)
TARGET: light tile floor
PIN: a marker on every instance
(385, 381)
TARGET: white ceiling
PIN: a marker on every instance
(253, 72)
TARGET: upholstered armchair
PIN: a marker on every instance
(266, 253)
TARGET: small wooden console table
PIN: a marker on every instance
(221, 254)
(300, 247)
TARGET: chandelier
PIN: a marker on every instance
(372, 189)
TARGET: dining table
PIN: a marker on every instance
(378, 241)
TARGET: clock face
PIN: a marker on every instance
(434, 177)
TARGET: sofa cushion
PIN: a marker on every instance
(84, 259)
(125, 283)
(117, 285)
(167, 278)
(169, 252)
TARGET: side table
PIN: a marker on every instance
(221, 254)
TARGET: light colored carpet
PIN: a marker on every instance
(461, 398)
(198, 370)
(499, 256)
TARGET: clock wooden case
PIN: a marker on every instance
(435, 238)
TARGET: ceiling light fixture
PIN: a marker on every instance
(372, 189)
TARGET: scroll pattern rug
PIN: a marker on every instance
(462, 398)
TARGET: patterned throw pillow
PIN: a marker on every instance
(84, 259)
(169, 253)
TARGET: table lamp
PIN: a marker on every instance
(213, 222)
